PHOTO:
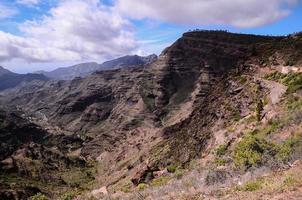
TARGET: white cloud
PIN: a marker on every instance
(238, 13)
(28, 2)
(74, 30)
(6, 12)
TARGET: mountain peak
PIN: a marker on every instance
(4, 71)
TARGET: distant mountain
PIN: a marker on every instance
(127, 61)
(68, 73)
(85, 69)
(9, 79)
(4, 71)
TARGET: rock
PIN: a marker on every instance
(144, 175)
(160, 173)
(7, 164)
(102, 192)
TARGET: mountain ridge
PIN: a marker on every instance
(10, 79)
(188, 121)
(85, 69)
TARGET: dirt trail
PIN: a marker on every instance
(276, 90)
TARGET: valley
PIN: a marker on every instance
(217, 115)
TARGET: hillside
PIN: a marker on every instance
(9, 79)
(85, 69)
(212, 117)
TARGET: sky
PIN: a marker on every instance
(47, 34)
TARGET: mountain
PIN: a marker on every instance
(85, 69)
(4, 71)
(9, 79)
(216, 116)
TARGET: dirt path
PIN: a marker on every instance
(276, 90)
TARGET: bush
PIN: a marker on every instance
(38, 196)
(221, 150)
(160, 181)
(142, 186)
(171, 168)
(220, 161)
(250, 150)
(287, 148)
(252, 186)
(68, 196)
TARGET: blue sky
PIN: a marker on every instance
(46, 34)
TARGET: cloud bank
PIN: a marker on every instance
(74, 30)
(237, 13)
(82, 30)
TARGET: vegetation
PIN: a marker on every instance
(287, 148)
(38, 196)
(221, 150)
(68, 195)
(292, 80)
(81, 178)
(253, 149)
(171, 168)
(220, 161)
(252, 186)
(250, 150)
(142, 186)
(259, 109)
(160, 181)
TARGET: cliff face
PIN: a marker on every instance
(140, 120)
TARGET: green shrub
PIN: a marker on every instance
(220, 161)
(287, 148)
(68, 196)
(293, 103)
(160, 181)
(179, 174)
(171, 168)
(289, 181)
(221, 150)
(127, 187)
(252, 186)
(38, 196)
(250, 150)
(142, 186)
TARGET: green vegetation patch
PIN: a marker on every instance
(287, 148)
(160, 181)
(254, 150)
(252, 186)
(250, 150)
(70, 195)
(38, 196)
(142, 186)
(172, 168)
(292, 80)
(221, 150)
(82, 178)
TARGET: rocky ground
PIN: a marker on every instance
(205, 121)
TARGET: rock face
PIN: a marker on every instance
(138, 120)
(85, 69)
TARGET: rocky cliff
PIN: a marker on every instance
(137, 122)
